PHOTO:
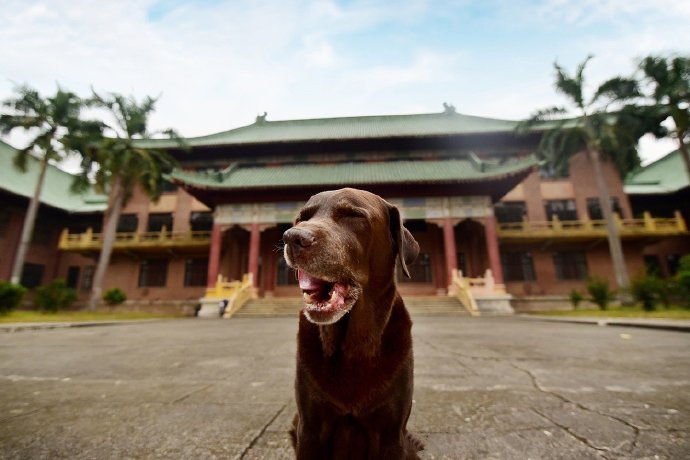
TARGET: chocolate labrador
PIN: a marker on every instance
(354, 346)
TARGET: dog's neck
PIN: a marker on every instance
(358, 334)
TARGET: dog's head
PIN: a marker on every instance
(343, 243)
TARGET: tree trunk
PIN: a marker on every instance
(28, 227)
(615, 247)
(109, 230)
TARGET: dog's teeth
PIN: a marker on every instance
(306, 296)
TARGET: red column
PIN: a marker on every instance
(254, 240)
(214, 255)
(492, 248)
(450, 249)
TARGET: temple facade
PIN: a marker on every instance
(470, 190)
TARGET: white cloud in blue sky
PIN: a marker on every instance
(217, 64)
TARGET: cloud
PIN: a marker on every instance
(219, 63)
(586, 12)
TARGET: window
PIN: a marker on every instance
(158, 221)
(72, 277)
(420, 270)
(652, 264)
(32, 275)
(5, 217)
(517, 266)
(128, 223)
(87, 278)
(153, 273)
(196, 271)
(547, 171)
(286, 275)
(570, 265)
(80, 226)
(672, 262)
(594, 209)
(201, 221)
(564, 209)
(510, 211)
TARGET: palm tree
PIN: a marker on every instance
(603, 134)
(669, 83)
(118, 163)
(50, 123)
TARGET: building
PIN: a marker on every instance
(469, 188)
(662, 189)
(59, 209)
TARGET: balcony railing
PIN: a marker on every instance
(646, 227)
(163, 239)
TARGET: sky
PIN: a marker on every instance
(218, 64)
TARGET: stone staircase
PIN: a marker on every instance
(271, 306)
(435, 305)
(290, 306)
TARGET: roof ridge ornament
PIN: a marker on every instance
(261, 119)
(449, 109)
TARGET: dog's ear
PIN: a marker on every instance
(405, 245)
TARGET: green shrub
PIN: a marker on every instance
(55, 296)
(645, 290)
(114, 296)
(576, 297)
(666, 291)
(598, 288)
(11, 296)
(683, 279)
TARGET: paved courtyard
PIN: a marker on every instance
(503, 388)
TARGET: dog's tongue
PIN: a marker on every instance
(308, 282)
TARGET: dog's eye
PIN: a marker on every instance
(305, 214)
(353, 213)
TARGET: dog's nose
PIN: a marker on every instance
(298, 238)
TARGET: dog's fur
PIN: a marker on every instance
(354, 366)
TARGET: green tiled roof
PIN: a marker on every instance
(341, 174)
(56, 188)
(368, 127)
(665, 175)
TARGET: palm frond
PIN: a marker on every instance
(569, 86)
(617, 89)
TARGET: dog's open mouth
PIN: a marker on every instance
(325, 301)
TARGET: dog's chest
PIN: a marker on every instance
(354, 383)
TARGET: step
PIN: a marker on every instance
(274, 306)
(434, 306)
(290, 306)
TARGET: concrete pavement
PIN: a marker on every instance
(499, 387)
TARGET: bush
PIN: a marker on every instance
(683, 278)
(645, 290)
(576, 297)
(598, 288)
(114, 296)
(11, 296)
(55, 296)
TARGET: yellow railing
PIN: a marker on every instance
(237, 293)
(464, 293)
(145, 240)
(566, 229)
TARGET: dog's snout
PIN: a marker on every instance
(299, 238)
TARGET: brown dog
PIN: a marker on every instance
(354, 346)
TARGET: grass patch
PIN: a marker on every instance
(621, 312)
(27, 316)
